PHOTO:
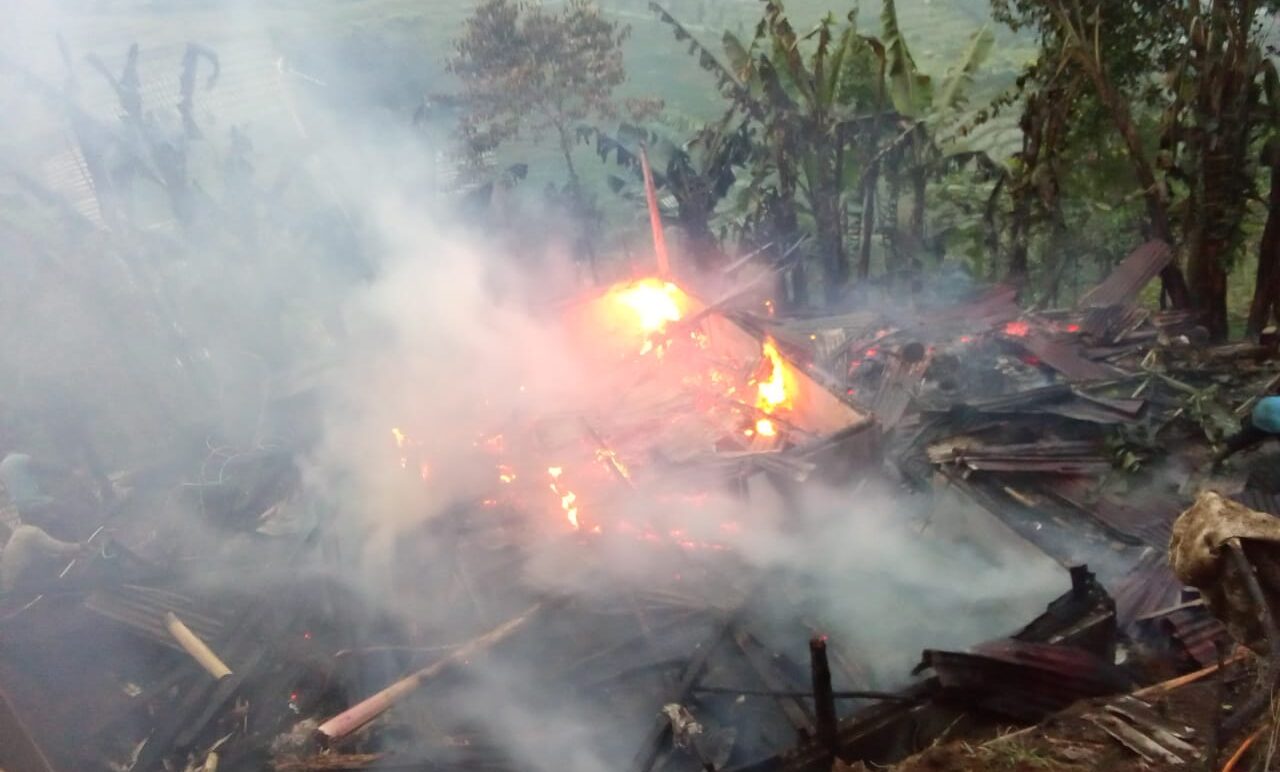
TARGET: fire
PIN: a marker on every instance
(401, 440)
(637, 313)
(1017, 329)
(654, 303)
(506, 474)
(772, 389)
(568, 499)
(613, 463)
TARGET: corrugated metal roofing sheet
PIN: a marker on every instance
(1025, 681)
(1194, 628)
(1124, 283)
(1148, 588)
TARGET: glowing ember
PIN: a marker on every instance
(765, 428)
(1017, 329)
(1073, 328)
(506, 474)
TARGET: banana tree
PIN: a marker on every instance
(807, 97)
(823, 103)
(696, 174)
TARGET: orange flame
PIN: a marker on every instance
(654, 303)
(568, 499)
(772, 389)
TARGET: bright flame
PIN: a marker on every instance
(506, 474)
(611, 461)
(772, 389)
(654, 303)
(568, 499)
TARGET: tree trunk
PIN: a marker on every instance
(919, 189)
(826, 213)
(891, 209)
(1266, 289)
(1223, 168)
(1023, 189)
(868, 224)
(700, 243)
(579, 205)
(1153, 191)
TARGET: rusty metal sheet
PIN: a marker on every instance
(1192, 626)
(1066, 357)
(1025, 681)
(993, 307)
(1148, 520)
(1149, 587)
(1122, 285)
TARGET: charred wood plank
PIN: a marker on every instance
(651, 747)
(824, 700)
(752, 650)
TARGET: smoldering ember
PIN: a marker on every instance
(721, 385)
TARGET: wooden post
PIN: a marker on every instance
(824, 700)
(655, 218)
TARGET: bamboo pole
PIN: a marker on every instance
(362, 713)
(655, 218)
(197, 648)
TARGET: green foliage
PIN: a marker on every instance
(522, 66)
(911, 90)
(954, 92)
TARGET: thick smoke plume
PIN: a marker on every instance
(446, 335)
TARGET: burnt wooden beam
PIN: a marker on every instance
(824, 700)
(651, 747)
(795, 712)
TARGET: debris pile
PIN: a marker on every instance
(227, 641)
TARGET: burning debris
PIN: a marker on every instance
(621, 554)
